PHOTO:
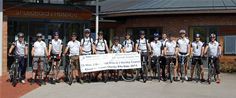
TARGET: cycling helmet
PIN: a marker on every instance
(182, 31)
(39, 35)
(87, 30)
(142, 33)
(20, 34)
(212, 35)
(156, 34)
(197, 35)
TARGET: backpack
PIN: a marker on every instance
(90, 39)
(145, 42)
(103, 41)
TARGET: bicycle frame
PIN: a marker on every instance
(182, 64)
(171, 66)
(14, 72)
(211, 70)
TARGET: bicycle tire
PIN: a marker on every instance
(69, 74)
(144, 74)
(159, 72)
(129, 75)
(171, 65)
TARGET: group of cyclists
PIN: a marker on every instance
(163, 50)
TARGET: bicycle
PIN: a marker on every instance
(181, 67)
(68, 72)
(211, 70)
(129, 75)
(156, 68)
(171, 67)
(39, 72)
(14, 72)
(54, 69)
(197, 68)
(144, 69)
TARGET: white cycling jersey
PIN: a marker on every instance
(183, 43)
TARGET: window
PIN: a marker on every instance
(230, 44)
(204, 31)
(148, 30)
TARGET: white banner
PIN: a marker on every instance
(99, 62)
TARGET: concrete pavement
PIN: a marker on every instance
(151, 89)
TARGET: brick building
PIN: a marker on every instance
(169, 16)
(43, 16)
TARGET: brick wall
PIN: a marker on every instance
(173, 23)
(4, 60)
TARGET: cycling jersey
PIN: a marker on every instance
(213, 49)
(142, 45)
(116, 48)
(56, 46)
(20, 47)
(39, 48)
(128, 45)
(170, 47)
(183, 43)
(87, 43)
(156, 47)
(197, 48)
(74, 47)
(101, 46)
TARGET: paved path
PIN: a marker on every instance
(151, 89)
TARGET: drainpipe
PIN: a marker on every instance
(1, 31)
(97, 18)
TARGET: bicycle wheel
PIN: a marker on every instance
(144, 73)
(129, 74)
(197, 72)
(171, 65)
(15, 74)
(209, 73)
(105, 76)
(69, 74)
(158, 72)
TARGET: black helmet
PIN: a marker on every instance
(116, 38)
(73, 34)
(212, 35)
(156, 34)
(141, 32)
(55, 33)
(100, 33)
(20, 34)
(87, 30)
(39, 35)
(128, 33)
(197, 35)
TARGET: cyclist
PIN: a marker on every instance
(143, 47)
(214, 50)
(156, 49)
(101, 47)
(21, 52)
(39, 51)
(163, 58)
(87, 46)
(116, 48)
(170, 49)
(55, 50)
(128, 44)
(74, 51)
(197, 50)
(183, 45)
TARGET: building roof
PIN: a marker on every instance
(145, 7)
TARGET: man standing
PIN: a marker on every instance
(55, 50)
(21, 52)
